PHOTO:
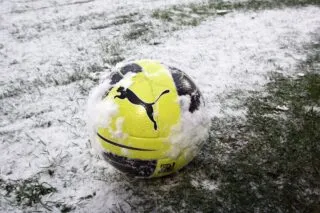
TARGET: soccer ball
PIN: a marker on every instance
(150, 119)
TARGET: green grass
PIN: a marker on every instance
(61, 76)
(139, 30)
(112, 53)
(29, 193)
(193, 14)
(124, 19)
(26, 193)
(119, 20)
(278, 168)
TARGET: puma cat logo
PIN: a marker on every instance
(134, 99)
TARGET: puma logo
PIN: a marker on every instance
(134, 99)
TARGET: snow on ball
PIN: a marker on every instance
(148, 119)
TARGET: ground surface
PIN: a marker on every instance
(256, 63)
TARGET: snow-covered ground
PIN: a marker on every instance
(48, 54)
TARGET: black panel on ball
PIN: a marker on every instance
(195, 101)
(185, 86)
(115, 78)
(134, 167)
(135, 68)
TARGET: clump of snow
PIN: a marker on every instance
(126, 82)
(99, 111)
(188, 136)
(205, 184)
(118, 133)
(124, 151)
(282, 108)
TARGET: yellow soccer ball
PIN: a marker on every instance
(151, 119)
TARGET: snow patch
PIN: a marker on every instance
(189, 135)
(100, 112)
(205, 184)
(126, 82)
(117, 133)
(282, 108)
